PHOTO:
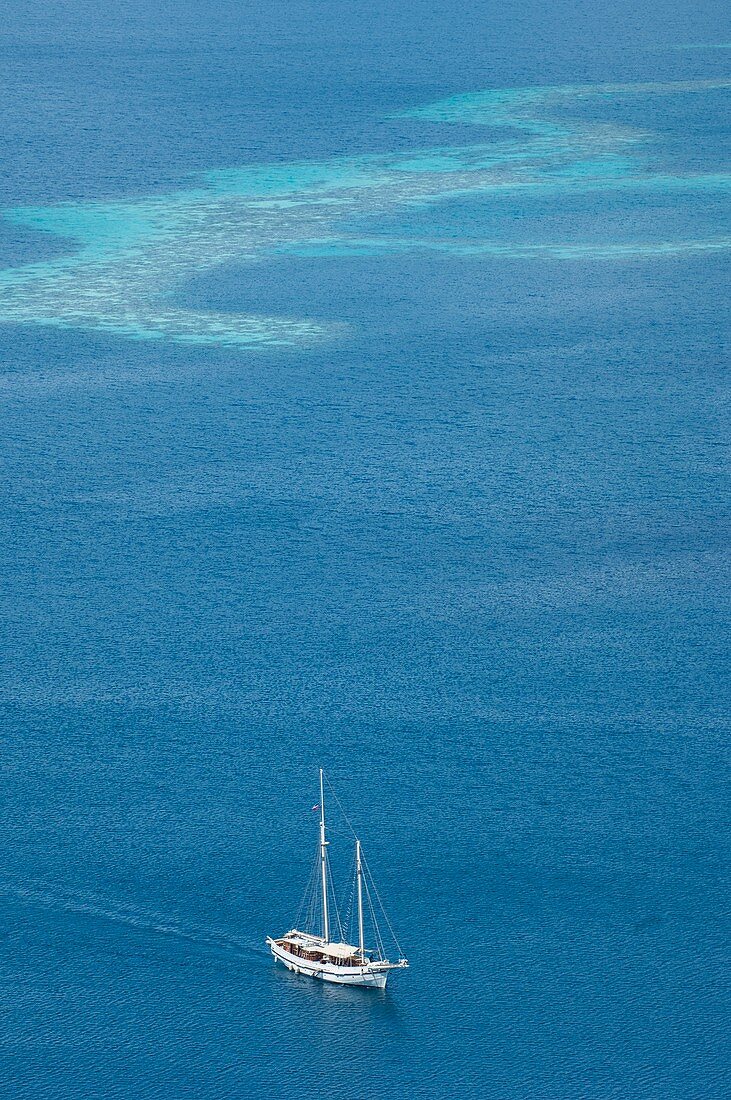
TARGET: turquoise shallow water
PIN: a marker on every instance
(364, 403)
(130, 257)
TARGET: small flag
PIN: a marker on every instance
(315, 808)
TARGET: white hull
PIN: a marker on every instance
(372, 976)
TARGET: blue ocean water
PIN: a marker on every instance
(364, 390)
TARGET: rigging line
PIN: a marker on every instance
(374, 921)
(374, 924)
(335, 900)
(340, 806)
(347, 900)
(313, 909)
(346, 887)
(353, 895)
(385, 914)
(306, 902)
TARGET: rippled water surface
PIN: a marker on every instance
(364, 401)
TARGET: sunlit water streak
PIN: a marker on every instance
(132, 258)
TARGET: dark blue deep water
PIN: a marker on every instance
(361, 410)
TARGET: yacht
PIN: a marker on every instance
(320, 949)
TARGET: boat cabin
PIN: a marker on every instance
(313, 949)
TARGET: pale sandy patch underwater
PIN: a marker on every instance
(131, 258)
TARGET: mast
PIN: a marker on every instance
(323, 862)
(359, 871)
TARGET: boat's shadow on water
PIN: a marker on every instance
(333, 995)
